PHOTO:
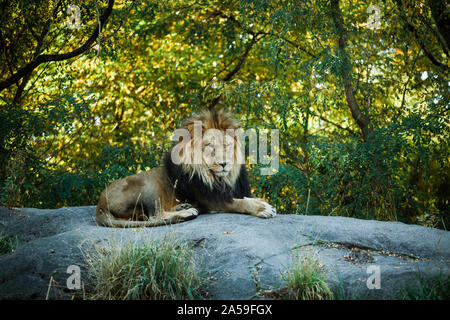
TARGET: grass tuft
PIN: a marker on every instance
(8, 243)
(437, 288)
(306, 281)
(148, 270)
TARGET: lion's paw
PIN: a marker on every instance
(188, 214)
(269, 211)
(264, 209)
(183, 206)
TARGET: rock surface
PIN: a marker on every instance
(243, 255)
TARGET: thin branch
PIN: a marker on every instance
(405, 87)
(291, 43)
(419, 39)
(435, 33)
(99, 30)
(58, 57)
(291, 159)
(40, 41)
(122, 20)
(235, 70)
(337, 125)
(256, 36)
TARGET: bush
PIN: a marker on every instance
(398, 174)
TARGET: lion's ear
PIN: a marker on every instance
(195, 126)
(225, 120)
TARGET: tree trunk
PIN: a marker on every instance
(361, 119)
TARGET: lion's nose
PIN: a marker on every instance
(223, 164)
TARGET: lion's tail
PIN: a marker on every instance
(105, 218)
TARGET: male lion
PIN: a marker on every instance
(210, 181)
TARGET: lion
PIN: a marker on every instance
(204, 173)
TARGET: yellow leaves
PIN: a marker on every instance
(398, 52)
(138, 90)
(112, 75)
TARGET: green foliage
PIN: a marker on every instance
(29, 180)
(397, 174)
(23, 167)
(55, 187)
(80, 123)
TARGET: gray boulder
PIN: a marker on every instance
(244, 256)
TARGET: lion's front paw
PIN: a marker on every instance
(183, 206)
(268, 212)
(263, 209)
(188, 214)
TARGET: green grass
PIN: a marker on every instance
(8, 243)
(437, 288)
(149, 270)
(306, 281)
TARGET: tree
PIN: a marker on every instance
(362, 113)
(20, 76)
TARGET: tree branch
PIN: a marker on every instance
(405, 88)
(337, 125)
(441, 16)
(27, 69)
(361, 119)
(235, 70)
(242, 58)
(419, 39)
(255, 34)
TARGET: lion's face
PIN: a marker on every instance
(213, 151)
(219, 152)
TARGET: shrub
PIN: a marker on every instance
(398, 174)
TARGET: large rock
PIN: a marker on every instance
(244, 255)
